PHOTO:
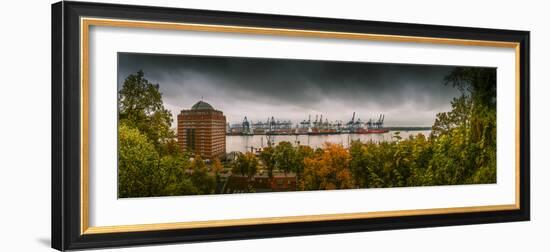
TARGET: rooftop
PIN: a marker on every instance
(201, 105)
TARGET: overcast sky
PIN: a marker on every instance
(409, 95)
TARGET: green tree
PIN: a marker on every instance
(141, 107)
(360, 164)
(465, 148)
(285, 157)
(176, 180)
(421, 155)
(459, 116)
(171, 147)
(217, 166)
(200, 178)
(268, 159)
(246, 164)
(138, 173)
(301, 153)
(480, 83)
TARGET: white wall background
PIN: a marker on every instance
(25, 125)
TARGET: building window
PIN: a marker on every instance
(190, 139)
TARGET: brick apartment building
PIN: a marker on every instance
(201, 130)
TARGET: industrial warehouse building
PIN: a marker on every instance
(201, 130)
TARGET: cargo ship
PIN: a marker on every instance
(323, 132)
(370, 127)
(371, 131)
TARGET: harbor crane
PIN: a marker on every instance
(246, 126)
(378, 124)
(351, 123)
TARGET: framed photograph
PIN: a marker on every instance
(180, 125)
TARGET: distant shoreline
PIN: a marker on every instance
(333, 133)
(405, 128)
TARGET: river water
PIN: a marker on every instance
(245, 143)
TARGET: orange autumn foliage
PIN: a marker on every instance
(328, 169)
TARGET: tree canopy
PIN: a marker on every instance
(150, 163)
(141, 107)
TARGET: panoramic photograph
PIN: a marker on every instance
(197, 125)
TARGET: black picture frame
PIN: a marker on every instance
(66, 114)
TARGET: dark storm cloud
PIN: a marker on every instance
(294, 89)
